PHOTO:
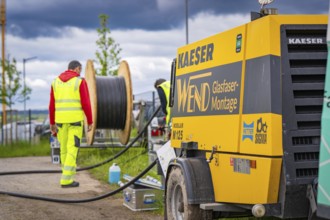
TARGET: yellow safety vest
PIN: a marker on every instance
(166, 88)
(67, 100)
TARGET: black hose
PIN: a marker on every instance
(88, 167)
(81, 200)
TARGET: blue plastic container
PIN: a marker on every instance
(114, 173)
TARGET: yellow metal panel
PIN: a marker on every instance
(213, 51)
(261, 134)
(207, 131)
(242, 88)
(260, 185)
(263, 35)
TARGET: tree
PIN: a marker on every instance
(14, 91)
(108, 53)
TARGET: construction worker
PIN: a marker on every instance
(69, 101)
(163, 89)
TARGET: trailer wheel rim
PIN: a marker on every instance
(177, 201)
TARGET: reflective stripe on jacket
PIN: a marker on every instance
(166, 88)
(67, 100)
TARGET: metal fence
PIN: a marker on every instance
(149, 101)
(18, 127)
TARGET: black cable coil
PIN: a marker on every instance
(111, 102)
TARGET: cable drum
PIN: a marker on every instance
(111, 94)
(111, 101)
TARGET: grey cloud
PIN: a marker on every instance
(44, 18)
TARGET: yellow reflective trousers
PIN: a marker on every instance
(69, 136)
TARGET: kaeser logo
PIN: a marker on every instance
(306, 40)
(195, 56)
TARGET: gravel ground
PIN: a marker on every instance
(12, 208)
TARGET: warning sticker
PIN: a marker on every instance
(241, 165)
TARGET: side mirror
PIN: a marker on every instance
(172, 88)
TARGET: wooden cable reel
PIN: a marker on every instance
(111, 101)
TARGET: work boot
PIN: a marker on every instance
(73, 184)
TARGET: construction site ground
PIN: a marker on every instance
(47, 185)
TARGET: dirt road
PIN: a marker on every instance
(12, 208)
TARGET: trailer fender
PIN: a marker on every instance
(197, 176)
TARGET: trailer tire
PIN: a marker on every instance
(177, 207)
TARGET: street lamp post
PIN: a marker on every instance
(24, 87)
(187, 30)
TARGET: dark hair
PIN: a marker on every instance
(74, 64)
(158, 82)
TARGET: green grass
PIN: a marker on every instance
(132, 162)
(25, 149)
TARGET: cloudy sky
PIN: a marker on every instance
(148, 31)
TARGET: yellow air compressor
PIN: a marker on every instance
(246, 112)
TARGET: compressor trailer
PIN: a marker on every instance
(246, 121)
